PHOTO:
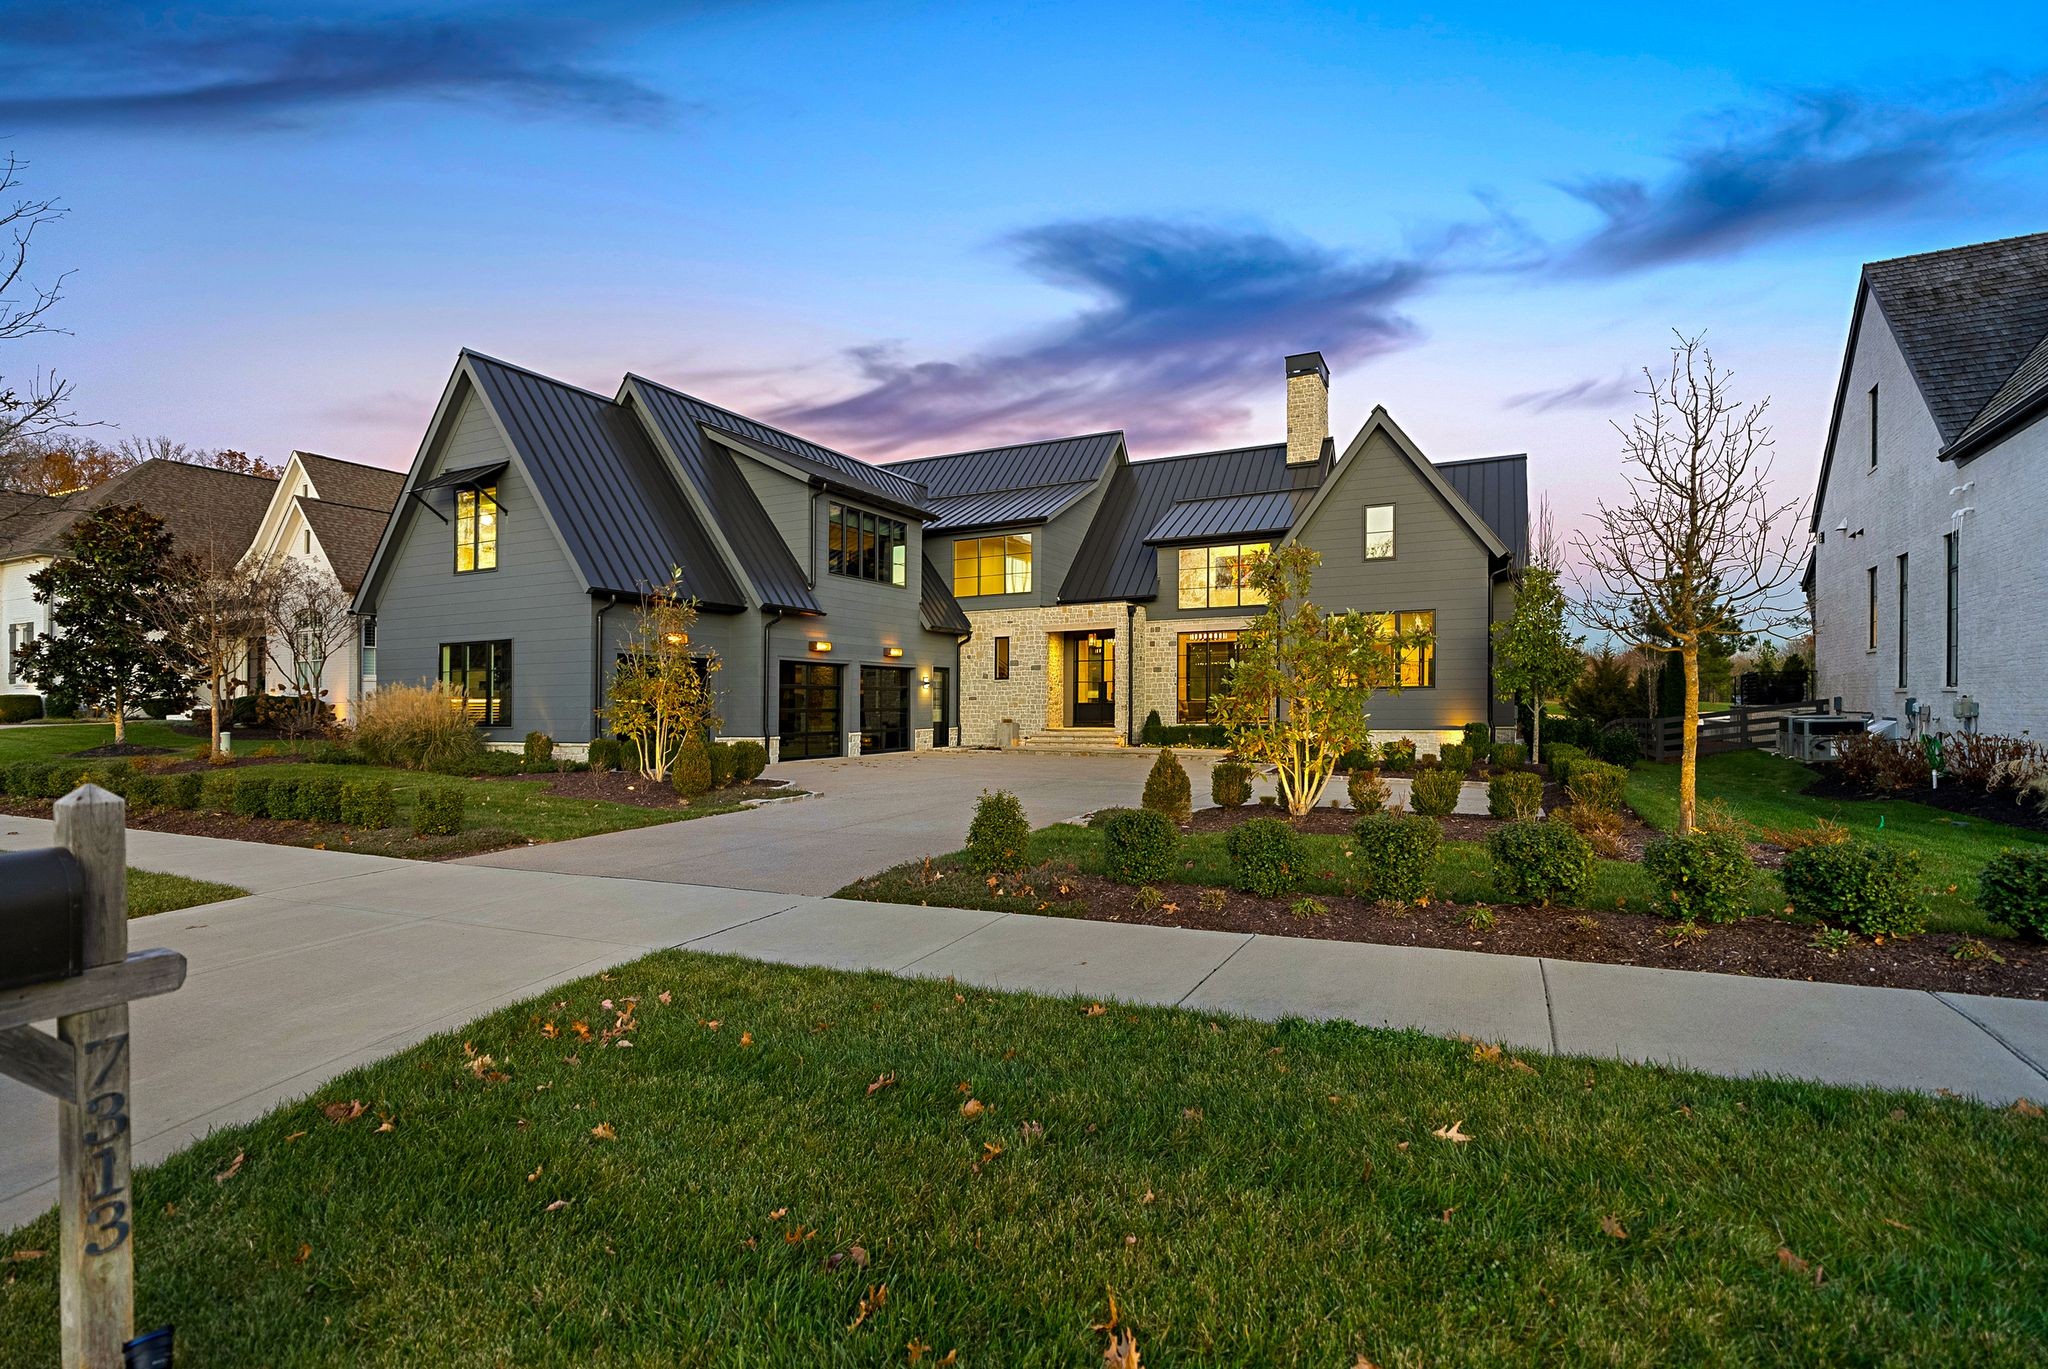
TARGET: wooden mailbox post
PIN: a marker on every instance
(85, 1068)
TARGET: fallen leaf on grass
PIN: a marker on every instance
(853, 1254)
(746, 1038)
(1611, 1225)
(1451, 1132)
(582, 1030)
(1900, 1225)
(797, 1234)
(1793, 1264)
(603, 1131)
(2025, 1108)
(536, 1173)
(1445, 1216)
(1094, 1010)
(234, 1168)
(1109, 1325)
(305, 1253)
(869, 1305)
(665, 996)
(343, 1113)
(557, 1205)
(1032, 1131)
(24, 1256)
(293, 1137)
(778, 1214)
(550, 1030)
(1150, 1197)
(1122, 1352)
(881, 1082)
(972, 1108)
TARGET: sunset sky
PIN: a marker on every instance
(904, 228)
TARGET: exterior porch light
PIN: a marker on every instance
(822, 648)
(893, 653)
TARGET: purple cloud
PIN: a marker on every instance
(1581, 394)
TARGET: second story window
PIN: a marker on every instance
(1220, 577)
(865, 546)
(476, 528)
(992, 565)
(1873, 427)
(1379, 532)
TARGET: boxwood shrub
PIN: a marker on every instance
(1167, 790)
(539, 751)
(368, 804)
(2012, 889)
(999, 837)
(1367, 791)
(1478, 742)
(183, 791)
(1266, 856)
(1618, 748)
(690, 775)
(437, 811)
(1701, 877)
(1230, 784)
(1511, 755)
(145, 791)
(606, 753)
(217, 791)
(250, 796)
(1434, 793)
(1454, 757)
(319, 799)
(749, 759)
(1137, 846)
(1515, 794)
(20, 708)
(1558, 759)
(282, 799)
(1596, 784)
(724, 765)
(1540, 862)
(1865, 886)
(1392, 855)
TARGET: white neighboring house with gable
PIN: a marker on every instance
(330, 514)
(1930, 569)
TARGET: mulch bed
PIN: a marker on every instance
(112, 749)
(626, 786)
(1337, 822)
(1952, 798)
(1761, 947)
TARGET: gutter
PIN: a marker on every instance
(1131, 660)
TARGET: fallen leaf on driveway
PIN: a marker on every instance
(1611, 1225)
(234, 1168)
(1451, 1132)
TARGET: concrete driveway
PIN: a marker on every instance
(865, 814)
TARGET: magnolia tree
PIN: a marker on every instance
(206, 615)
(661, 691)
(1698, 550)
(1534, 657)
(1295, 699)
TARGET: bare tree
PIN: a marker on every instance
(1697, 550)
(214, 609)
(307, 624)
(42, 402)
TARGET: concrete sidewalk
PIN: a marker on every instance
(342, 959)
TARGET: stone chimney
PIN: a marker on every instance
(1308, 407)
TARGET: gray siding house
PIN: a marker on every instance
(1101, 589)
(537, 513)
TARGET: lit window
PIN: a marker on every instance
(479, 674)
(992, 565)
(1417, 667)
(1221, 577)
(1002, 658)
(865, 546)
(476, 528)
(1379, 532)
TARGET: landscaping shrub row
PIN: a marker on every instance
(1156, 733)
(366, 803)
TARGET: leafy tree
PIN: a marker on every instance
(661, 695)
(1296, 698)
(1533, 654)
(1606, 691)
(102, 650)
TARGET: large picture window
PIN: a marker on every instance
(479, 674)
(1205, 661)
(1379, 532)
(865, 546)
(476, 528)
(992, 565)
(1417, 666)
(1220, 577)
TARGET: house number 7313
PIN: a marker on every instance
(107, 1191)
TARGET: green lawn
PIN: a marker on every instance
(1765, 790)
(152, 892)
(497, 810)
(1248, 1193)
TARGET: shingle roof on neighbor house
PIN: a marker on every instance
(352, 483)
(206, 511)
(348, 534)
(1971, 322)
(607, 489)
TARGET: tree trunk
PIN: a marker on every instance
(1536, 732)
(213, 724)
(120, 717)
(1689, 741)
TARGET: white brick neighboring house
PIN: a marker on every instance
(1930, 567)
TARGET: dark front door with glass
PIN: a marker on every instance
(1093, 678)
(809, 709)
(942, 717)
(884, 709)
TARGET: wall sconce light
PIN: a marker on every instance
(925, 680)
(822, 648)
(892, 653)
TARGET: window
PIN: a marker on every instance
(369, 649)
(1417, 667)
(1379, 532)
(865, 546)
(1951, 651)
(1902, 620)
(476, 528)
(1002, 658)
(1872, 575)
(307, 644)
(1220, 577)
(19, 635)
(992, 565)
(480, 674)
(1873, 427)
(1205, 661)
(309, 541)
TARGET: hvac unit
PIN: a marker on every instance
(1812, 736)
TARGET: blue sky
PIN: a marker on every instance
(908, 227)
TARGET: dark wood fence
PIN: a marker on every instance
(1738, 729)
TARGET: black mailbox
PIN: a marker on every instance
(42, 916)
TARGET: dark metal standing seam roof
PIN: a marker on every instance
(1497, 489)
(1005, 508)
(597, 474)
(1231, 515)
(937, 609)
(1024, 465)
(1115, 561)
(764, 556)
(863, 477)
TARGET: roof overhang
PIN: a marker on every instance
(468, 475)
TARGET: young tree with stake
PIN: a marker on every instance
(661, 695)
(1533, 654)
(1697, 550)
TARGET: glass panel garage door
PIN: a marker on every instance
(884, 709)
(809, 709)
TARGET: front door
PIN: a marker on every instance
(884, 709)
(942, 718)
(1093, 677)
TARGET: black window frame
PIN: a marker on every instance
(1212, 674)
(1870, 575)
(481, 492)
(498, 678)
(1902, 620)
(1002, 658)
(1392, 543)
(879, 549)
(802, 686)
(1873, 427)
(978, 588)
(1953, 664)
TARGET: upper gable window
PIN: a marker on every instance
(1379, 532)
(866, 546)
(476, 528)
(1221, 577)
(992, 565)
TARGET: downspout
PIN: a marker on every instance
(812, 572)
(597, 665)
(1131, 660)
(767, 678)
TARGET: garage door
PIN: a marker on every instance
(809, 710)
(884, 709)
